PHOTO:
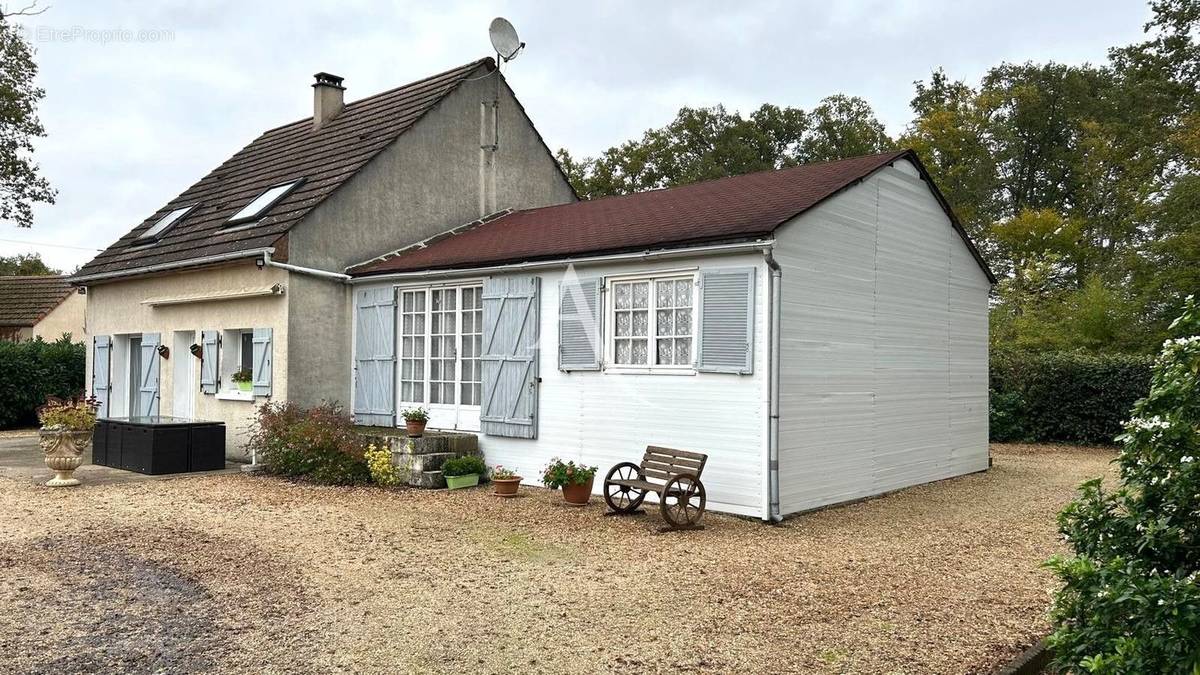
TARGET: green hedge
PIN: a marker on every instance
(1064, 396)
(33, 370)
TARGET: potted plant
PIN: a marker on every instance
(243, 379)
(66, 432)
(505, 481)
(462, 472)
(574, 479)
(415, 420)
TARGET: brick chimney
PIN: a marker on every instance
(328, 100)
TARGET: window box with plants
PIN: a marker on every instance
(415, 420)
(574, 479)
(505, 482)
(463, 472)
(244, 379)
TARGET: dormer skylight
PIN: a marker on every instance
(263, 203)
(165, 223)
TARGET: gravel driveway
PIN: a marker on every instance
(246, 573)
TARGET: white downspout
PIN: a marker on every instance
(325, 274)
(775, 294)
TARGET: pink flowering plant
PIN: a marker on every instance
(1130, 601)
(500, 472)
(559, 473)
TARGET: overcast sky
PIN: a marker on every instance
(143, 99)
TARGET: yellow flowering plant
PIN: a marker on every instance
(379, 461)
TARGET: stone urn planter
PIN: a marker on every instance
(63, 449)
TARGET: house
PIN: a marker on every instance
(243, 270)
(39, 306)
(819, 331)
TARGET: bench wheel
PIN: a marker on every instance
(682, 503)
(624, 498)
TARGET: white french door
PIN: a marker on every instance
(440, 338)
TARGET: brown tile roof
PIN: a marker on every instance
(727, 209)
(325, 158)
(26, 300)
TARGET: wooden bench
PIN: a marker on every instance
(680, 494)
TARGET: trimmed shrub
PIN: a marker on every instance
(319, 444)
(464, 466)
(33, 371)
(1064, 396)
(1130, 601)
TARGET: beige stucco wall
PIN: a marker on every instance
(66, 318)
(423, 184)
(116, 309)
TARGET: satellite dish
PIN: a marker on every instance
(504, 38)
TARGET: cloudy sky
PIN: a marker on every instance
(142, 99)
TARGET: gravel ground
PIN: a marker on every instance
(248, 573)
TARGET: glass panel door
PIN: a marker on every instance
(472, 345)
(443, 351)
(412, 348)
(441, 339)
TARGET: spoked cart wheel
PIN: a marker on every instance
(682, 502)
(623, 498)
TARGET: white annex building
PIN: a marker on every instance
(820, 332)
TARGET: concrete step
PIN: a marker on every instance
(430, 462)
(427, 479)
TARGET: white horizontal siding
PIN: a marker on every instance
(603, 418)
(883, 346)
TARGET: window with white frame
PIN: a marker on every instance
(237, 353)
(441, 336)
(652, 322)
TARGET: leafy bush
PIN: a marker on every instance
(34, 370)
(1131, 596)
(319, 443)
(1063, 396)
(559, 473)
(379, 462)
(464, 466)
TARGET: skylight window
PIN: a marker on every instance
(165, 223)
(264, 202)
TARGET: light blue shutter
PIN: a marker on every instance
(510, 356)
(262, 362)
(148, 378)
(579, 324)
(725, 335)
(102, 372)
(375, 356)
(209, 341)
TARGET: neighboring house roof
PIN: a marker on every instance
(26, 300)
(729, 209)
(325, 158)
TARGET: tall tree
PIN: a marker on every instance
(25, 264)
(20, 184)
(705, 143)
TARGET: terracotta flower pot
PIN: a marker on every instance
(63, 450)
(578, 494)
(415, 428)
(506, 487)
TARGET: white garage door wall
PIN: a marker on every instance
(883, 344)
